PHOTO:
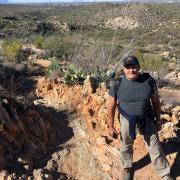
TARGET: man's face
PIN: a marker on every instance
(131, 71)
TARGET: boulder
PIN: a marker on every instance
(171, 76)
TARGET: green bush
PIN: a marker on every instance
(153, 48)
(11, 49)
(54, 66)
(175, 43)
(39, 41)
(139, 55)
(152, 63)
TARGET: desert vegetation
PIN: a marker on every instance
(68, 34)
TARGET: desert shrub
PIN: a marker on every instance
(11, 49)
(35, 15)
(54, 66)
(140, 42)
(139, 55)
(95, 57)
(38, 42)
(143, 50)
(177, 52)
(153, 63)
(153, 48)
(59, 46)
(175, 43)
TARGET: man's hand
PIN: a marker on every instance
(112, 132)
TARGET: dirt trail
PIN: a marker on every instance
(84, 155)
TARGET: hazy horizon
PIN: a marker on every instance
(54, 1)
(73, 1)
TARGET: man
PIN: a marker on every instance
(137, 99)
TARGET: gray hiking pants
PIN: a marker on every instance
(152, 143)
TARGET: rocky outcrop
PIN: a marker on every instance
(173, 78)
(121, 22)
(135, 15)
(25, 132)
(91, 101)
(170, 121)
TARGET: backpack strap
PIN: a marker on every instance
(151, 82)
(116, 86)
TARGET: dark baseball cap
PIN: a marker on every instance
(130, 60)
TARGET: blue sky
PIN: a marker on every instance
(36, 1)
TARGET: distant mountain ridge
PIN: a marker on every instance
(154, 1)
(86, 1)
